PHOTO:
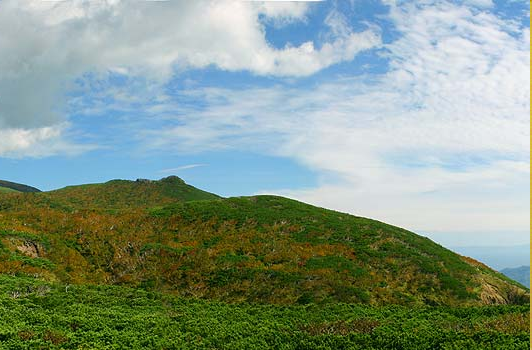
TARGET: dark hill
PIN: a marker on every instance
(168, 236)
(5, 186)
(520, 274)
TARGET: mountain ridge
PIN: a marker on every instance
(120, 194)
(168, 236)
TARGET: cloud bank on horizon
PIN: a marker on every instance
(416, 114)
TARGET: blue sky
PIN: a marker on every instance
(413, 113)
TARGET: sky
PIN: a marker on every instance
(411, 113)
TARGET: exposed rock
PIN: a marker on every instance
(143, 181)
(30, 249)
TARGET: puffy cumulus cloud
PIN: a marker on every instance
(46, 45)
(283, 12)
(440, 142)
(37, 142)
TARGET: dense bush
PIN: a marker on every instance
(36, 315)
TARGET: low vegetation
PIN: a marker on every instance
(43, 315)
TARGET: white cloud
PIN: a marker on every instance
(484, 4)
(38, 142)
(46, 45)
(283, 12)
(440, 142)
(182, 167)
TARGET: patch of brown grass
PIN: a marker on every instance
(509, 323)
(25, 335)
(54, 337)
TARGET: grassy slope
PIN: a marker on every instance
(54, 316)
(7, 190)
(261, 249)
(122, 194)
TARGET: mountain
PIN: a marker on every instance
(121, 194)
(520, 274)
(7, 186)
(498, 257)
(170, 237)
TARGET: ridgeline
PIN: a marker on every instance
(170, 237)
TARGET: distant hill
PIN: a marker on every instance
(520, 274)
(171, 237)
(7, 186)
(121, 194)
(498, 257)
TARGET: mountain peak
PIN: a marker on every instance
(121, 194)
(172, 178)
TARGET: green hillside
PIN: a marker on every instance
(7, 190)
(170, 237)
(8, 186)
(43, 315)
(121, 194)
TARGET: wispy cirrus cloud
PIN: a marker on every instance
(439, 142)
(182, 167)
